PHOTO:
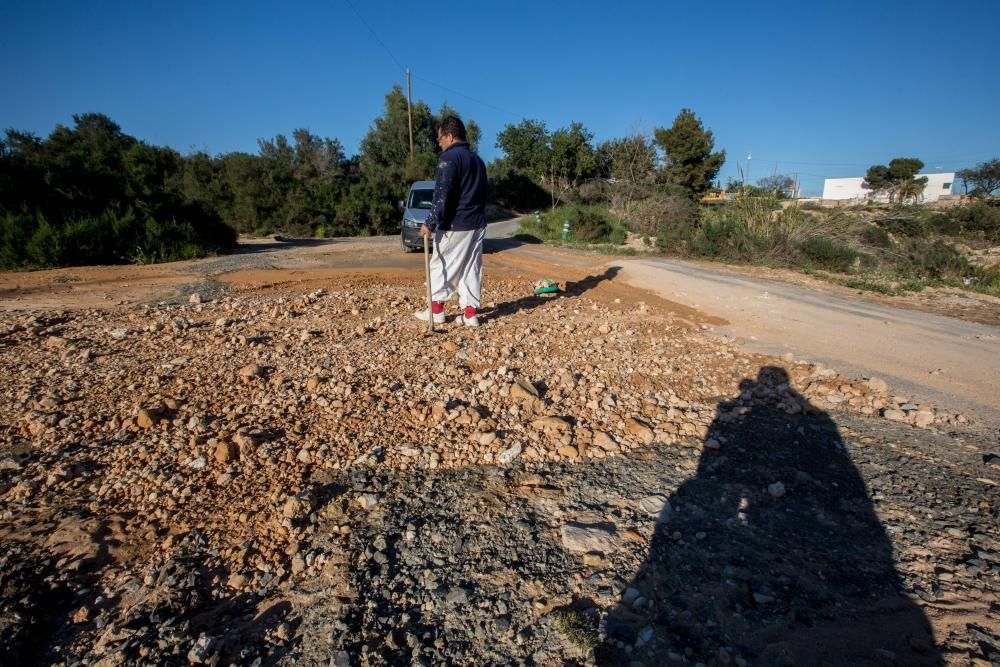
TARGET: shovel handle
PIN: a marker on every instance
(427, 272)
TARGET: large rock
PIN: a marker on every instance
(367, 501)
(639, 430)
(147, 419)
(56, 342)
(509, 454)
(569, 452)
(894, 415)
(605, 442)
(251, 371)
(656, 506)
(586, 538)
(551, 424)
(523, 390)
(878, 385)
(225, 452)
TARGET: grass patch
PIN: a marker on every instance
(882, 286)
(577, 628)
(870, 282)
(599, 248)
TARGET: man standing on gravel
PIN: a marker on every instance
(457, 223)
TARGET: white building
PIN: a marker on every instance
(851, 188)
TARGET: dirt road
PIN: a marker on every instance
(943, 360)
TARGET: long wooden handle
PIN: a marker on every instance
(427, 271)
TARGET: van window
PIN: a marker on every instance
(421, 199)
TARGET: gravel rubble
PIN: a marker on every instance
(265, 477)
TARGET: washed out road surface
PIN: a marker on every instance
(941, 359)
(948, 361)
(264, 459)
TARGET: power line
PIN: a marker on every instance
(374, 34)
(468, 97)
(420, 78)
(865, 164)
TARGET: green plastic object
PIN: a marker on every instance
(551, 289)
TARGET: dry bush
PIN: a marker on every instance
(647, 216)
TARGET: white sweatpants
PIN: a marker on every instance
(457, 266)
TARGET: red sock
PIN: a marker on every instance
(470, 312)
(437, 307)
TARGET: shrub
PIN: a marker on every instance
(43, 247)
(587, 225)
(577, 628)
(724, 237)
(112, 238)
(15, 230)
(674, 215)
(593, 192)
(830, 254)
(877, 237)
(975, 219)
(591, 227)
(913, 226)
(939, 260)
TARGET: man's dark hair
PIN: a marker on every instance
(453, 126)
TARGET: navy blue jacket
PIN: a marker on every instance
(459, 191)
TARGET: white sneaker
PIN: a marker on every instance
(424, 315)
(470, 321)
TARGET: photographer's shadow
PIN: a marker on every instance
(772, 554)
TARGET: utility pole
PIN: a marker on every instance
(409, 110)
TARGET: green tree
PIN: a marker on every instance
(560, 160)
(631, 158)
(629, 163)
(572, 155)
(526, 147)
(878, 179)
(513, 188)
(984, 178)
(386, 166)
(571, 159)
(899, 180)
(385, 163)
(779, 184)
(92, 194)
(688, 160)
(242, 179)
(385, 149)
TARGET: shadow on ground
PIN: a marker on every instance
(573, 288)
(280, 243)
(772, 554)
(491, 246)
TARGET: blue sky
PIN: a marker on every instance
(822, 89)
